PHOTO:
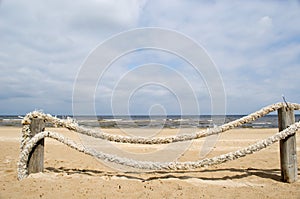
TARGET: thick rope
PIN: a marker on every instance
(72, 125)
(23, 168)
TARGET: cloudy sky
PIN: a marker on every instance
(255, 46)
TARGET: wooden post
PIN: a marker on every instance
(288, 148)
(36, 157)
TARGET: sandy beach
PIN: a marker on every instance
(70, 174)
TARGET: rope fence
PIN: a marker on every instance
(72, 125)
(29, 142)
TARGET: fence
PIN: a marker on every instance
(33, 134)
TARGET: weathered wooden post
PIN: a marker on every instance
(288, 148)
(36, 157)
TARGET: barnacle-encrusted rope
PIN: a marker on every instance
(72, 125)
(27, 148)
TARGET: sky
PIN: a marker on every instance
(254, 45)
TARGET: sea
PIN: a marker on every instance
(143, 121)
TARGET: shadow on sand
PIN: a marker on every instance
(227, 174)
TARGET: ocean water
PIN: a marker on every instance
(171, 121)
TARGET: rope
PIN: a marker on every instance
(72, 125)
(27, 143)
(28, 147)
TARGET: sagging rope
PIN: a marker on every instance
(28, 147)
(72, 125)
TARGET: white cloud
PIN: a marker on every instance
(254, 43)
(44, 43)
(265, 24)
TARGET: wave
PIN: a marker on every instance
(174, 121)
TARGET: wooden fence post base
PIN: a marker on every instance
(288, 148)
(36, 157)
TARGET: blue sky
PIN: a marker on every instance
(254, 44)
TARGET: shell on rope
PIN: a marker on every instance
(28, 143)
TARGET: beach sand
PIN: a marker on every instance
(70, 174)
